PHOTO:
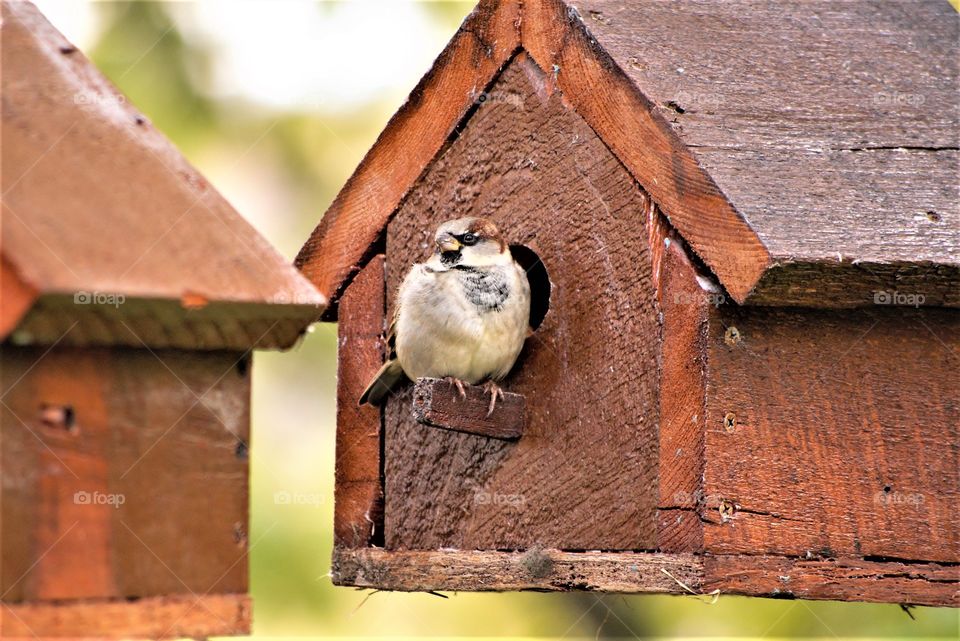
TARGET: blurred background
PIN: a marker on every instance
(276, 102)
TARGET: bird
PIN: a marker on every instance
(463, 315)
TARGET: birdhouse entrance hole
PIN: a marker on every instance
(539, 282)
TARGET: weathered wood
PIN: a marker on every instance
(124, 473)
(683, 304)
(535, 569)
(814, 190)
(832, 127)
(338, 246)
(643, 140)
(833, 433)
(582, 475)
(847, 579)
(358, 493)
(97, 201)
(438, 403)
(841, 579)
(196, 616)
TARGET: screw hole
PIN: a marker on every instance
(934, 216)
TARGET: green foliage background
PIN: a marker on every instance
(302, 157)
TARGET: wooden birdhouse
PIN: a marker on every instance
(746, 376)
(132, 296)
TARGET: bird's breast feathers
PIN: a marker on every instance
(464, 322)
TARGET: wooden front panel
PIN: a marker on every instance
(834, 433)
(357, 494)
(144, 494)
(583, 475)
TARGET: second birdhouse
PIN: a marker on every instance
(741, 374)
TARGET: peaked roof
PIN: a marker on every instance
(97, 201)
(807, 152)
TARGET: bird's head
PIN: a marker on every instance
(470, 242)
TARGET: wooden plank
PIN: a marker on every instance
(338, 246)
(831, 127)
(640, 136)
(847, 579)
(195, 616)
(159, 323)
(358, 493)
(142, 491)
(833, 433)
(438, 403)
(841, 579)
(80, 163)
(536, 569)
(683, 304)
(581, 476)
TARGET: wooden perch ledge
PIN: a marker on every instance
(437, 403)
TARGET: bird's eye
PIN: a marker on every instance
(469, 239)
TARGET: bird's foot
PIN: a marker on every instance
(494, 390)
(456, 382)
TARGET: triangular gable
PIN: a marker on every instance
(555, 37)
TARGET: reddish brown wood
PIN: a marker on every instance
(142, 493)
(833, 433)
(841, 579)
(358, 493)
(581, 475)
(16, 297)
(642, 139)
(79, 165)
(338, 246)
(195, 616)
(438, 403)
(683, 304)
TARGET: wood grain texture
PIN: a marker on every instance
(438, 403)
(97, 200)
(642, 139)
(536, 569)
(141, 492)
(683, 304)
(640, 572)
(840, 579)
(833, 433)
(832, 128)
(338, 247)
(162, 324)
(195, 616)
(584, 474)
(358, 493)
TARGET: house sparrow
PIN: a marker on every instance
(463, 315)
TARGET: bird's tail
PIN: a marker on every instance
(386, 380)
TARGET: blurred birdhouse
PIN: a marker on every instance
(132, 296)
(744, 218)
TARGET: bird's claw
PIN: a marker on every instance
(458, 384)
(494, 391)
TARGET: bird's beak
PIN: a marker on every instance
(447, 243)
